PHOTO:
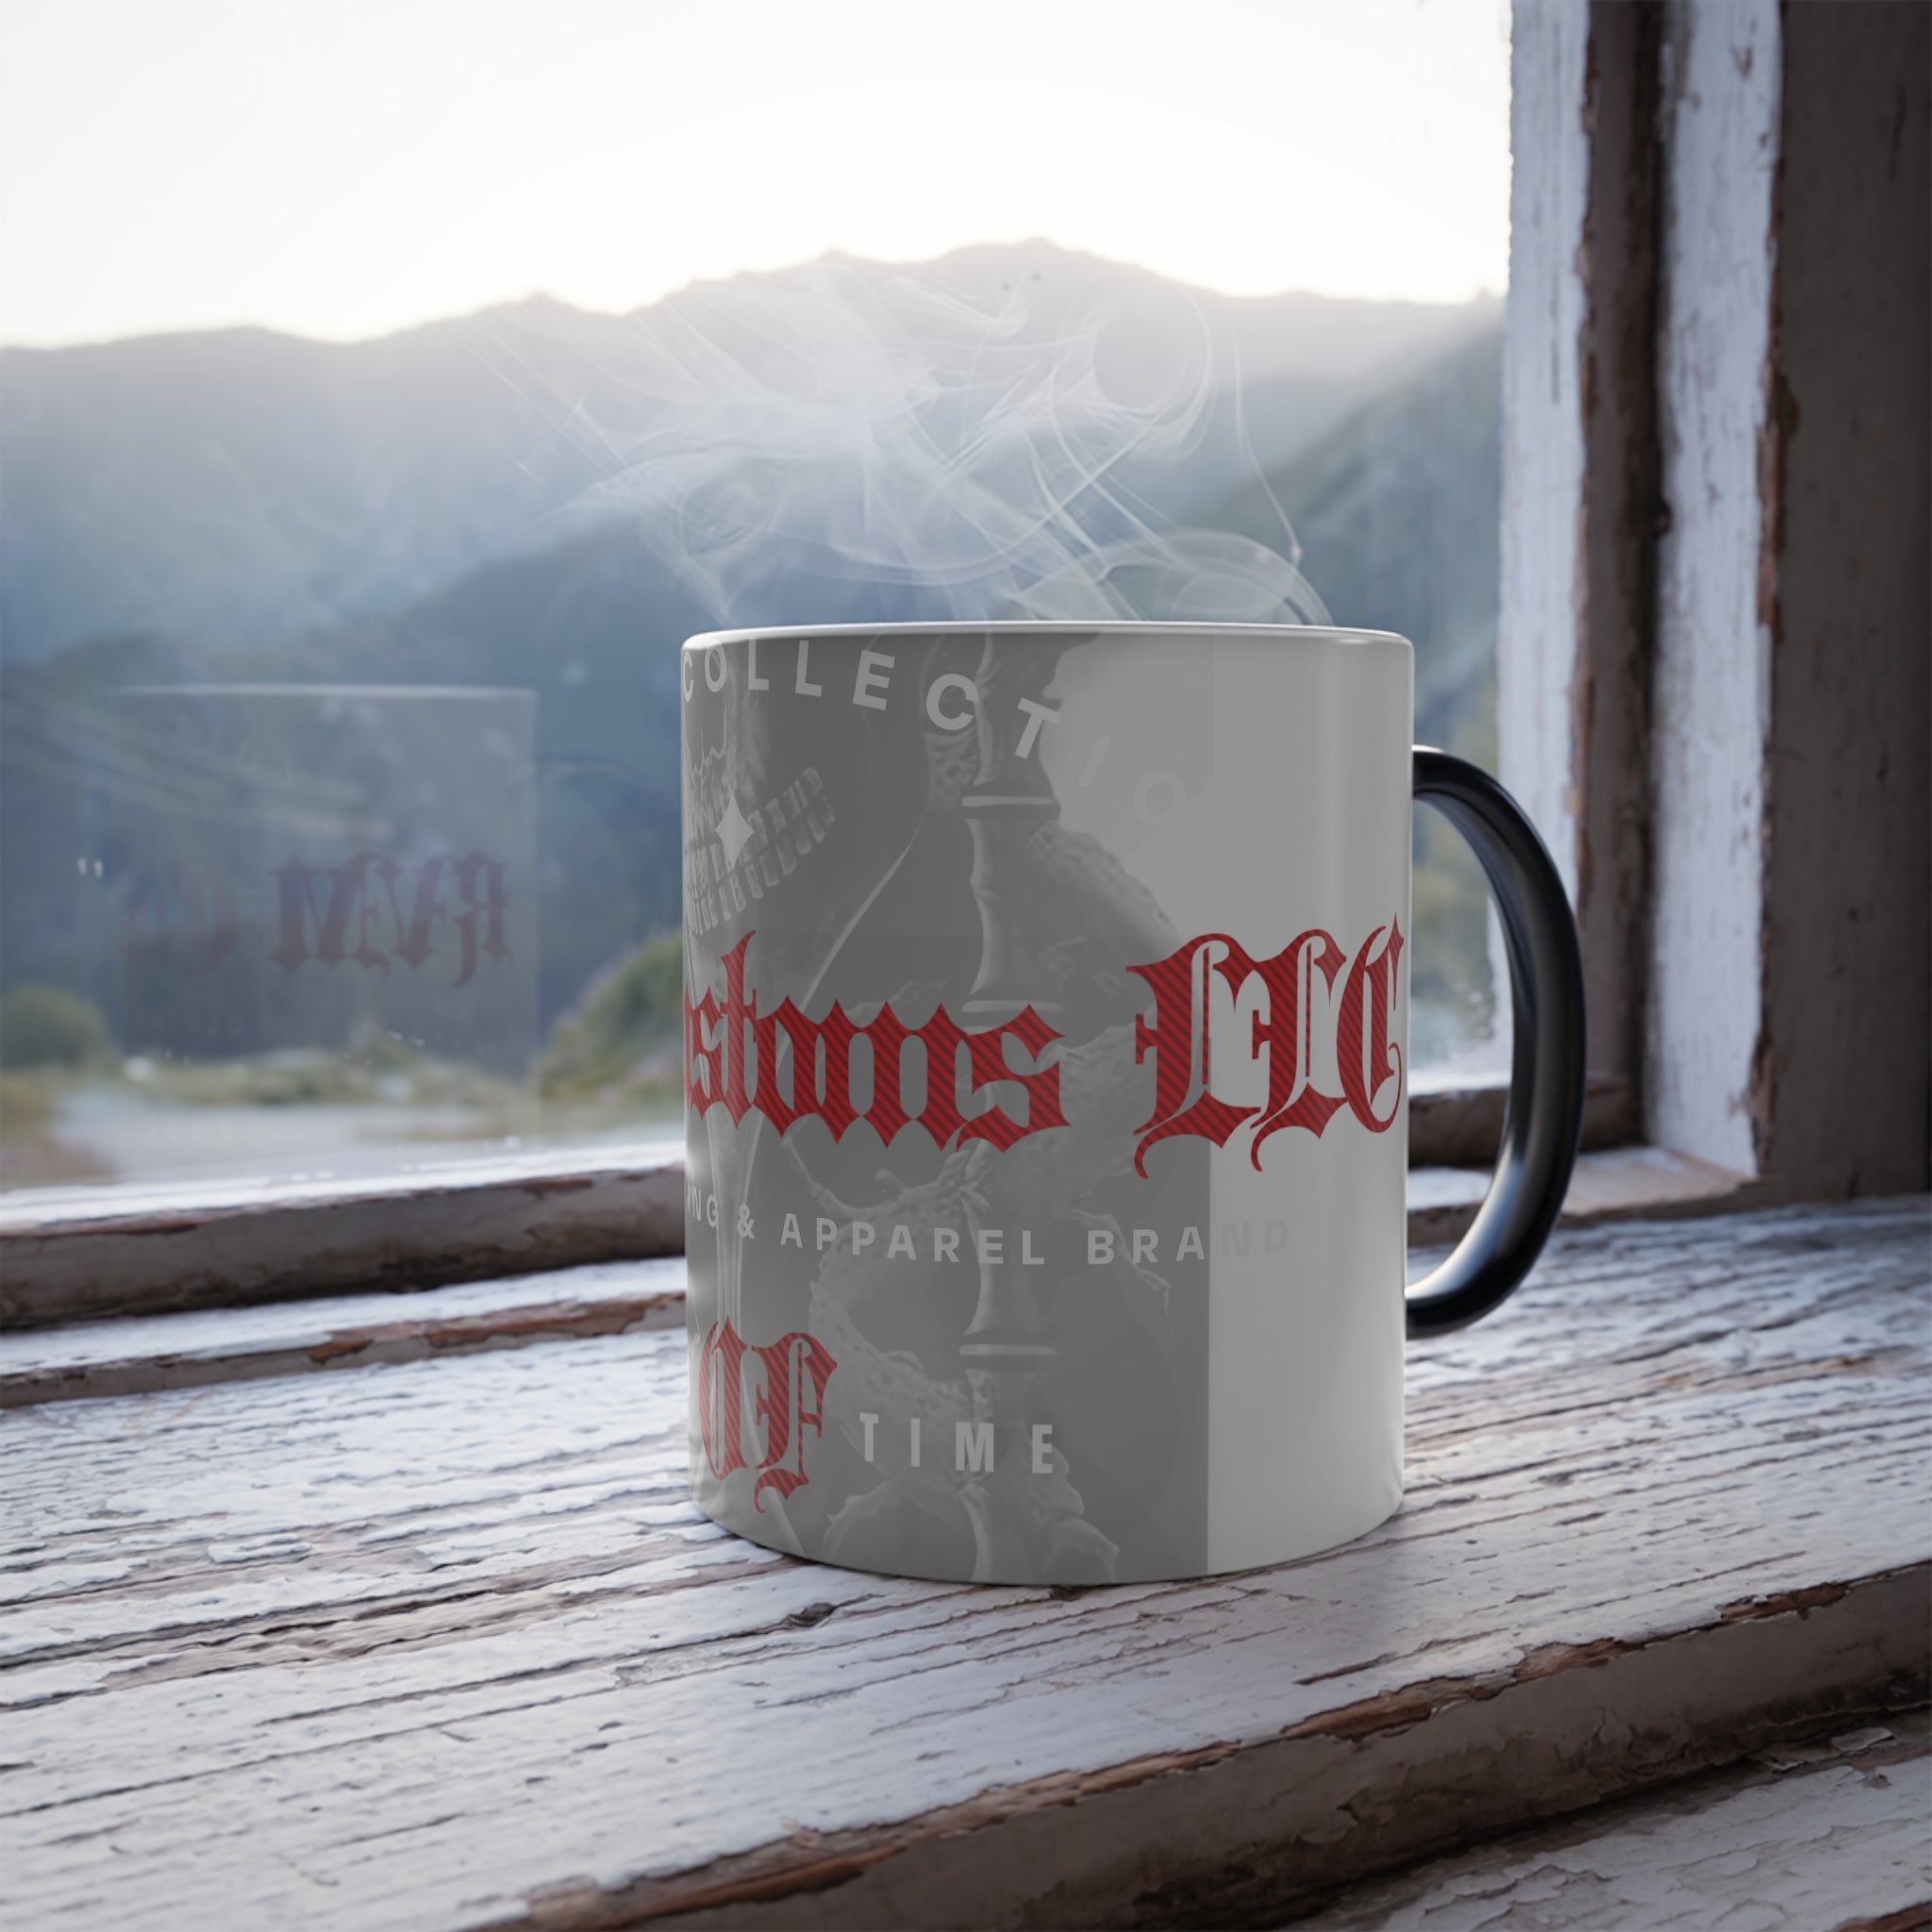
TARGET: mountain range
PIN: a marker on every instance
(546, 499)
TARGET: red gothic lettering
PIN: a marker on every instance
(703, 1051)
(1371, 985)
(343, 905)
(720, 1390)
(1178, 1039)
(344, 921)
(1293, 1099)
(737, 1097)
(180, 914)
(887, 1035)
(941, 1116)
(986, 1060)
(794, 1373)
(1173, 1040)
(724, 1066)
(833, 1102)
(834, 1105)
(732, 1052)
(774, 1409)
(416, 946)
(481, 881)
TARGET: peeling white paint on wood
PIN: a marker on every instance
(70, 1254)
(28, 1210)
(1542, 423)
(147, 1354)
(444, 1645)
(1712, 695)
(1612, 1183)
(1843, 1842)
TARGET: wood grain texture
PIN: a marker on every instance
(73, 1255)
(1618, 518)
(1614, 1184)
(70, 1254)
(1540, 636)
(1463, 1124)
(141, 1355)
(1580, 488)
(1817, 1835)
(145, 1355)
(1711, 682)
(444, 1643)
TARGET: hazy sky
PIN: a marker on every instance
(345, 167)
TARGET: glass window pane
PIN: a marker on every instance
(341, 592)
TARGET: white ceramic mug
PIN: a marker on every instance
(1046, 1020)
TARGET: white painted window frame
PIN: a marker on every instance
(1712, 660)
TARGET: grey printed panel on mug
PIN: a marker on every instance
(965, 1204)
(1052, 1407)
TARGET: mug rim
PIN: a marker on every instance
(1019, 627)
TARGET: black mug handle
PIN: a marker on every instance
(1544, 1116)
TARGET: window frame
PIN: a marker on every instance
(1609, 263)
(74, 1253)
(199, 1244)
(1582, 489)
(1717, 600)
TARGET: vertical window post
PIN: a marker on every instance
(1713, 663)
(1580, 488)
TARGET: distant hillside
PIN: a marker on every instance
(241, 483)
(240, 486)
(551, 501)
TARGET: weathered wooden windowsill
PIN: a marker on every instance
(79, 1254)
(72, 1254)
(416, 1627)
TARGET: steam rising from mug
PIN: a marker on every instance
(931, 456)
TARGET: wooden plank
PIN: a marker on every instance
(1463, 1124)
(42, 1210)
(82, 1253)
(443, 1645)
(145, 1355)
(1580, 488)
(1540, 637)
(1713, 657)
(1617, 1183)
(1711, 685)
(1818, 1834)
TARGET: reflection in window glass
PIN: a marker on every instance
(339, 742)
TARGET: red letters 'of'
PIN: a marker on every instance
(796, 1362)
